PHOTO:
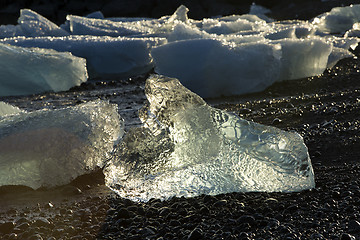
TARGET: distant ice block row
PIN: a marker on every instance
(105, 55)
(34, 70)
(187, 148)
(126, 47)
(48, 148)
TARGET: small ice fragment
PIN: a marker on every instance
(34, 70)
(96, 15)
(48, 148)
(187, 148)
(180, 14)
(7, 109)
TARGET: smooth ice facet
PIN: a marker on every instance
(48, 148)
(34, 70)
(212, 68)
(187, 148)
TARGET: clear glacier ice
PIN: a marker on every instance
(48, 148)
(34, 70)
(187, 148)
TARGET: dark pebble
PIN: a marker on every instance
(247, 219)
(36, 237)
(220, 203)
(122, 213)
(195, 234)
(354, 226)
(346, 236)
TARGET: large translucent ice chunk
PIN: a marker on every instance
(187, 148)
(105, 55)
(47, 148)
(212, 68)
(35, 70)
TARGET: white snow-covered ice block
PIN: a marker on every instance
(105, 55)
(212, 68)
(48, 148)
(34, 70)
(338, 20)
(187, 148)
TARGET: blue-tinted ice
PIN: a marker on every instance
(48, 148)
(187, 148)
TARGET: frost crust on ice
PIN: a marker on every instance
(187, 148)
(34, 70)
(48, 148)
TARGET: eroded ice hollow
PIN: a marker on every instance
(187, 148)
(48, 148)
(34, 70)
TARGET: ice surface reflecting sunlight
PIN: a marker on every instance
(187, 148)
